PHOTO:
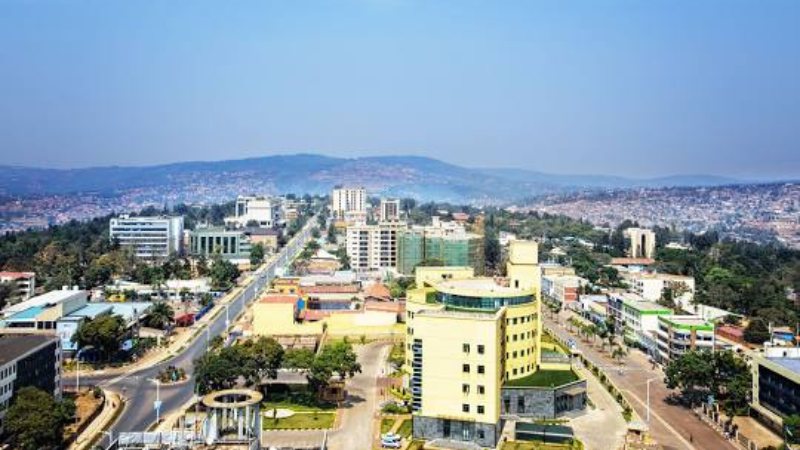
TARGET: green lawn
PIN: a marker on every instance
(303, 421)
(405, 428)
(386, 425)
(281, 396)
(535, 445)
(545, 378)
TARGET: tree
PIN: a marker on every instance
(223, 273)
(7, 292)
(298, 359)
(491, 248)
(267, 354)
(256, 254)
(36, 420)
(791, 427)
(105, 333)
(699, 373)
(160, 315)
(216, 370)
(335, 359)
(757, 331)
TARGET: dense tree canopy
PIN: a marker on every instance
(105, 333)
(721, 374)
(36, 420)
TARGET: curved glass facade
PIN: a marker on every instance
(492, 303)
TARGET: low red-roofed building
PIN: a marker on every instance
(23, 283)
(378, 291)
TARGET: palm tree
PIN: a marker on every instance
(618, 353)
(160, 315)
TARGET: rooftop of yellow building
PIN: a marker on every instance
(480, 287)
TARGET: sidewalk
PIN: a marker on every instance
(601, 427)
(111, 406)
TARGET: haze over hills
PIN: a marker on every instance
(413, 176)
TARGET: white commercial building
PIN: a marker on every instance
(390, 210)
(148, 237)
(373, 247)
(679, 334)
(261, 211)
(348, 203)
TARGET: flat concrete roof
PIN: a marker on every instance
(480, 287)
(792, 364)
(13, 346)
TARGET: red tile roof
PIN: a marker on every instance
(331, 289)
(278, 298)
(395, 307)
(378, 290)
(16, 275)
(631, 261)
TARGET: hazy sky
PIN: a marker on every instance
(636, 88)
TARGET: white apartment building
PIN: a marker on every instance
(266, 212)
(373, 247)
(636, 319)
(389, 210)
(349, 203)
(651, 286)
(148, 237)
(23, 283)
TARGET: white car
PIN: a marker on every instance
(390, 444)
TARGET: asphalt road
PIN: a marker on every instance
(674, 427)
(138, 387)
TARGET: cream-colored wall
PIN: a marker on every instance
(271, 319)
(443, 337)
(428, 276)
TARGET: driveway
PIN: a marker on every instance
(355, 422)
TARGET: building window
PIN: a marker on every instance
(465, 388)
(465, 348)
(465, 408)
(514, 321)
(481, 370)
(480, 434)
(520, 404)
(480, 409)
(480, 349)
(515, 353)
(465, 368)
(515, 371)
(481, 389)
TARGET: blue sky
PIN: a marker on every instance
(634, 88)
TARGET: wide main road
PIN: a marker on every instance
(673, 426)
(138, 387)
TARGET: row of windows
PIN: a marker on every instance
(525, 352)
(465, 408)
(465, 368)
(521, 371)
(8, 371)
(466, 348)
(465, 388)
(520, 336)
(523, 319)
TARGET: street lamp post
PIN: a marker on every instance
(78, 376)
(157, 403)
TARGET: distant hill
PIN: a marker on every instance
(413, 176)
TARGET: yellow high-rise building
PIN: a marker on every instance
(466, 337)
